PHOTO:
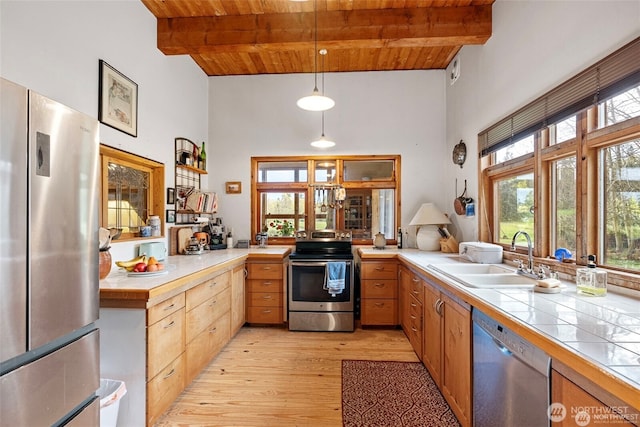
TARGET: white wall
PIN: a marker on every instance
(535, 46)
(399, 112)
(53, 47)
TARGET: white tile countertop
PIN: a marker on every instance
(602, 331)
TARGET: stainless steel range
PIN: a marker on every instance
(321, 282)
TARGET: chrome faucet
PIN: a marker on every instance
(529, 270)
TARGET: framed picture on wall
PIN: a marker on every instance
(171, 196)
(118, 100)
(171, 216)
(233, 187)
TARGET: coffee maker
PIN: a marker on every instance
(215, 229)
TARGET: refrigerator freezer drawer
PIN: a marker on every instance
(65, 379)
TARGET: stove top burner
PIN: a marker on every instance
(323, 244)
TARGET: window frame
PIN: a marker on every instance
(585, 147)
(257, 188)
(156, 191)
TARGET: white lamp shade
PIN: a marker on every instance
(429, 214)
(427, 219)
(323, 142)
(316, 102)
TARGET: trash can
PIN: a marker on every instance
(110, 393)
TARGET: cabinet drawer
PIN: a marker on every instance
(206, 345)
(203, 315)
(383, 288)
(165, 308)
(267, 285)
(165, 341)
(165, 388)
(416, 287)
(379, 270)
(264, 271)
(272, 315)
(265, 299)
(207, 289)
(379, 312)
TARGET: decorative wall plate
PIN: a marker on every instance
(460, 153)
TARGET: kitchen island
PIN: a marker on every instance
(157, 331)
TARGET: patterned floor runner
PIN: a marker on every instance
(391, 394)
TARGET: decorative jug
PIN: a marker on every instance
(379, 241)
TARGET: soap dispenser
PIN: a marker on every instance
(591, 280)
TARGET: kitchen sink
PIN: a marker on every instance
(483, 275)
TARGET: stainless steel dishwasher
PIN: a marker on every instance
(510, 377)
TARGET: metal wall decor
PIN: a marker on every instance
(460, 153)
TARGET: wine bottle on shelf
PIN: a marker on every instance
(195, 156)
(399, 238)
(203, 158)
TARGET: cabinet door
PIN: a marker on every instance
(403, 296)
(431, 333)
(456, 362)
(572, 396)
(237, 299)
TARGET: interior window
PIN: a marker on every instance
(132, 191)
(366, 203)
(620, 178)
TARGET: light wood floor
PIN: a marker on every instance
(273, 377)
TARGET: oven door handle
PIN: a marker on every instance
(317, 263)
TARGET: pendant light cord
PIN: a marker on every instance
(315, 50)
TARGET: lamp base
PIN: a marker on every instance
(428, 238)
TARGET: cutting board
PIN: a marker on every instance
(179, 239)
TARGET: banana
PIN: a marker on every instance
(132, 262)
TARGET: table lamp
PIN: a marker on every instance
(428, 218)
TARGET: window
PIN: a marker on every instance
(564, 204)
(515, 200)
(567, 171)
(356, 193)
(620, 178)
(132, 191)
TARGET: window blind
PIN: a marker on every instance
(610, 76)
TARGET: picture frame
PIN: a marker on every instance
(171, 216)
(233, 187)
(117, 100)
(171, 196)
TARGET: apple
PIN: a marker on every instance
(152, 267)
(160, 266)
(140, 267)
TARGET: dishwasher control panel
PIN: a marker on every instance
(511, 342)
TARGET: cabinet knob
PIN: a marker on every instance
(170, 325)
(169, 307)
(173, 371)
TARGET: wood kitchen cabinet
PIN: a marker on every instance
(165, 349)
(411, 303)
(379, 293)
(158, 344)
(446, 348)
(208, 322)
(266, 281)
(237, 298)
(582, 407)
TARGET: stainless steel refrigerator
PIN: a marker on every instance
(49, 291)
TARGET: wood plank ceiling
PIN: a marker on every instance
(233, 37)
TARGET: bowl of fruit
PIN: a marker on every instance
(143, 266)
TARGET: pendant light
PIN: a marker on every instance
(323, 142)
(316, 101)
